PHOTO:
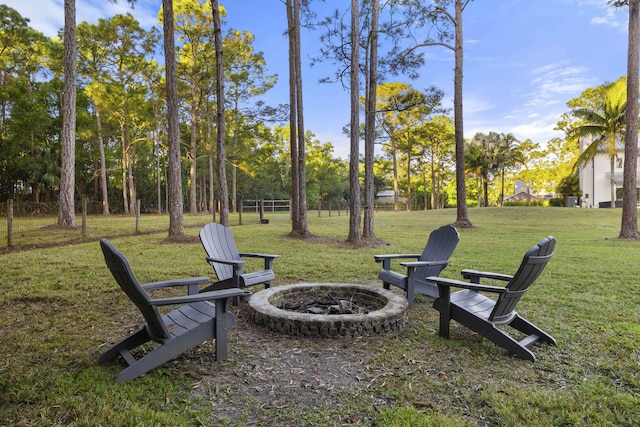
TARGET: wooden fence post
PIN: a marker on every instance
(10, 222)
(84, 216)
(138, 216)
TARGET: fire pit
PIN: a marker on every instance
(328, 310)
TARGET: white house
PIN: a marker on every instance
(595, 177)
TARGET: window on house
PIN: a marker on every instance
(618, 163)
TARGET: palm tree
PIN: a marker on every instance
(605, 124)
(506, 157)
(481, 155)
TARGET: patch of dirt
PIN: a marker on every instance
(267, 372)
(182, 239)
(60, 227)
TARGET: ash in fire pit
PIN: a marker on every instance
(328, 304)
(327, 310)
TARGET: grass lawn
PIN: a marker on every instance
(61, 308)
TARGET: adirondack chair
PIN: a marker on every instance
(223, 255)
(485, 315)
(434, 259)
(195, 321)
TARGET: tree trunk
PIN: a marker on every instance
(132, 186)
(234, 165)
(370, 126)
(293, 144)
(223, 192)
(212, 196)
(409, 197)
(175, 179)
(302, 169)
(462, 219)
(103, 164)
(629, 227)
(158, 174)
(125, 162)
(296, 123)
(354, 158)
(396, 185)
(433, 181)
(193, 203)
(66, 209)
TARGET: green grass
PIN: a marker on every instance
(61, 307)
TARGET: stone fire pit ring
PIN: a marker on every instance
(390, 314)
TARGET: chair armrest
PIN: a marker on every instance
(175, 282)
(452, 283)
(234, 262)
(475, 275)
(268, 259)
(380, 258)
(386, 259)
(414, 264)
(205, 296)
(250, 255)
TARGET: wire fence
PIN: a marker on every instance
(21, 225)
(25, 225)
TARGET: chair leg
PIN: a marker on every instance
(155, 358)
(443, 305)
(505, 341)
(529, 328)
(493, 334)
(132, 341)
(169, 350)
(410, 290)
(223, 321)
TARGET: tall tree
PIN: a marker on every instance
(176, 227)
(401, 114)
(370, 123)
(66, 209)
(354, 167)
(299, 196)
(223, 192)
(505, 158)
(122, 89)
(629, 226)
(485, 159)
(245, 74)
(441, 20)
(462, 218)
(193, 27)
(437, 145)
(92, 56)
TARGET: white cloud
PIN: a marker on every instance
(554, 81)
(47, 16)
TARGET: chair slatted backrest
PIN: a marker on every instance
(218, 242)
(533, 263)
(121, 271)
(440, 246)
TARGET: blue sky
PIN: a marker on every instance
(523, 60)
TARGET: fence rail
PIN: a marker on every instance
(24, 227)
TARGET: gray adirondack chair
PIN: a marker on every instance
(487, 316)
(194, 321)
(433, 259)
(226, 260)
